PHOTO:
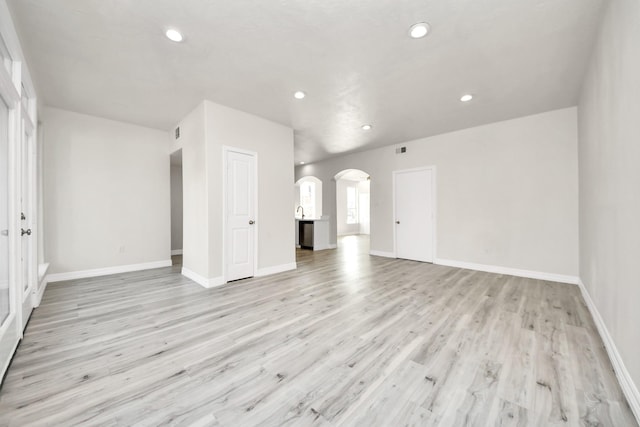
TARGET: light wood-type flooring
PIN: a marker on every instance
(346, 339)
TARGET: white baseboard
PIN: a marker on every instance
(624, 378)
(276, 269)
(551, 277)
(322, 248)
(203, 281)
(43, 280)
(382, 254)
(42, 271)
(10, 334)
(39, 293)
(218, 281)
(57, 277)
(176, 252)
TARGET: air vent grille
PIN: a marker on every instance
(401, 150)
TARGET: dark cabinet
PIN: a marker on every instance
(305, 236)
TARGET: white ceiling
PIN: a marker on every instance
(353, 58)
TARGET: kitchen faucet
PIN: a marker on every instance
(300, 207)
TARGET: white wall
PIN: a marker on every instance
(204, 132)
(106, 193)
(609, 155)
(506, 192)
(273, 144)
(176, 207)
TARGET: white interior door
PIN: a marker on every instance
(414, 210)
(26, 220)
(240, 221)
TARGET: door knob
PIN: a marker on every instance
(397, 222)
(27, 232)
(251, 222)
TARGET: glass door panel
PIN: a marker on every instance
(4, 214)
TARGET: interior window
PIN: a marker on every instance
(308, 198)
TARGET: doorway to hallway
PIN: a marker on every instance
(353, 189)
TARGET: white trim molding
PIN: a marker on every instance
(382, 253)
(71, 275)
(39, 293)
(10, 329)
(43, 280)
(629, 388)
(42, 271)
(201, 280)
(276, 269)
(322, 248)
(530, 274)
(176, 252)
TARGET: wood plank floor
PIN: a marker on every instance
(347, 339)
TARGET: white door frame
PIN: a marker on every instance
(13, 86)
(434, 199)
(225, 150)
(10, 330)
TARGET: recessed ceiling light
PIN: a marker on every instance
(174, 35)
(419, 30)
(302, 163)
(366, 127)
(299, 94)
(466, 98)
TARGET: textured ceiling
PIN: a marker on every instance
(353, 58)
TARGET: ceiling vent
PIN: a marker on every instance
(401, 150)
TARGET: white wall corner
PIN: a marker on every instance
(530, 274)
(201, 280)
(629, 388)
(214, 282)
(276, 269)
(176, 252)
(83, 274)
(382, 253)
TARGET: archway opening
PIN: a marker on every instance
(308, 198)
(353, 201)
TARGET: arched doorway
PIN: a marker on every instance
(353, 216)
(307, 199)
